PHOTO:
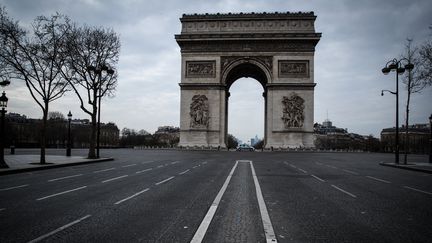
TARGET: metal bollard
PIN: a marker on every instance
(12, 149)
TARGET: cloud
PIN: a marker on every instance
(359, 37)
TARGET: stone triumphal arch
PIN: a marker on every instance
(276, 49)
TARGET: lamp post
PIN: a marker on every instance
(69, 144)
(396, 65)
(98, 71)
(430, 139)
(3, 105)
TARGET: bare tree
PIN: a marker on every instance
(426, 60)
(417, 79)
(34, 58)
(90, 51)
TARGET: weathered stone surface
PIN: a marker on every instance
(276, 49)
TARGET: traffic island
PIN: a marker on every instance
(26, 163)
(420, 167)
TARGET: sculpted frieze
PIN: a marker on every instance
(293, 111)
(199, 112)
(293, 69)
(248, 26)
(200, 69)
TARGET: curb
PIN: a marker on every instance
(52, 166)
(406, 168)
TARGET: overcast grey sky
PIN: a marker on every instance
(358, 38)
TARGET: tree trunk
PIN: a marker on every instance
(92, 152)
(43, 134)
(407, 122)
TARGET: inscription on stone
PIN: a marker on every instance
(293, 107)
(294, 69)
(199, 112)
(200, 69)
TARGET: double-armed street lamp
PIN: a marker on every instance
(396, 65)
(3, 105)
(69, 143)
(98, 71)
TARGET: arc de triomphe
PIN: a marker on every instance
(276, 49)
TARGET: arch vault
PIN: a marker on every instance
(276, 49)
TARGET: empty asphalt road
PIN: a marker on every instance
(192, 196)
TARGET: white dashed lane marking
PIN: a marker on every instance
(141, 171)
(13, 187)
(60, 193)
(115, 178)
(124, 166)
(66, 177)
(378, 179)
(316, 177)
(342, 190)
(350, 171)
(183, 172)
(134, 195)
(160, 182)
(98, 171)
(59, 229)
(418, 190)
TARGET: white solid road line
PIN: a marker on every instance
(14, 187)
(104, 170)
(418, 190)
(194, 167)
(202, 229)
(115, 178)
(316, 177)
(302, 170)
(134, 195)
(2, 209)
(141, 171)
(351, 172)
(59, 229)
(146, 162)
(265, 217)
(124, 166)
(160, 182)
(342, 190)
(377, 179)
(61, 193)
(160, 166)
(175, 162)
(66, 177)
(183, 172)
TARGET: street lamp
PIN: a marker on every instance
(98, 71)
(396, 65)
(69, 145)
(3, 105)
(430, 139)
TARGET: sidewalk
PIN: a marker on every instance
(421, 167)
(25, 163)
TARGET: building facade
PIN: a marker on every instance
(418, 139)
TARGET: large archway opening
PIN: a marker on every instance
(246, 82)
(246, 110)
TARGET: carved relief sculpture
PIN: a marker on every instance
(199, 112)
(200, 69)
(294, 69)
(293, 107)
